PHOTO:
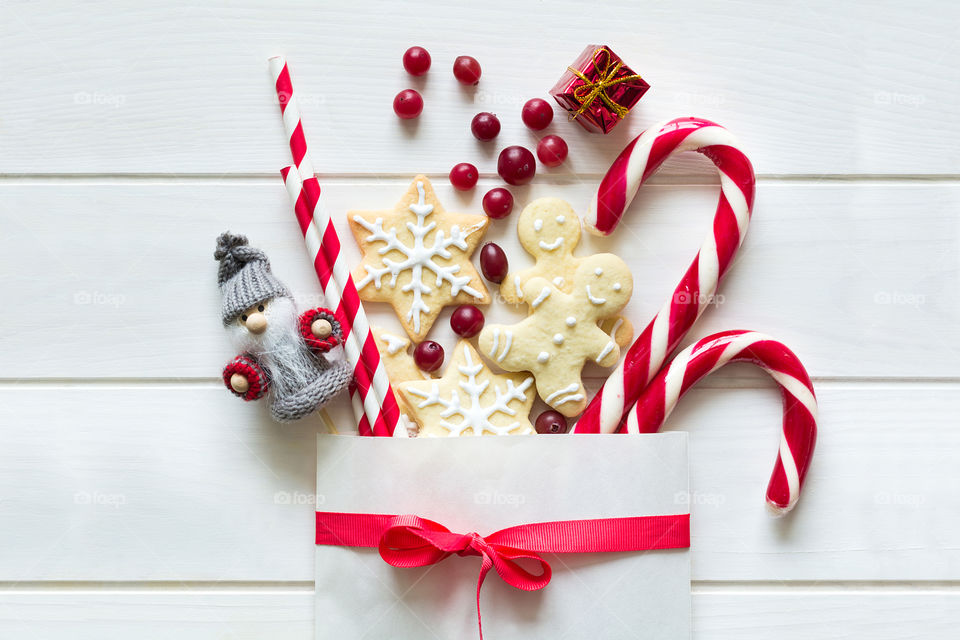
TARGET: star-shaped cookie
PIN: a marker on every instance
(470, 399)
(417, 257)
(396, 358)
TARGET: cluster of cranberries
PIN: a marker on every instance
(416, 60)
(515, 165)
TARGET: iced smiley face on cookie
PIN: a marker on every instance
(549, 230)
(561, 333)
(417, 257)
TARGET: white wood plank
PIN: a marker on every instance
(185, 614)
(185, 483)
(827, 614)
(189, 614)
(814, 88)
(117, 279)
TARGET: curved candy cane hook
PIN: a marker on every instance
(638, 161)
(697, 361)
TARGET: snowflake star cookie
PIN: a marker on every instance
(561, 333)
(549, 230)
(417, 257)
(396, 358)
(470, 399)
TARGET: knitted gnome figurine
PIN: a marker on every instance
(282, 351)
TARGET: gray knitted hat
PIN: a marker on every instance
(244, 276)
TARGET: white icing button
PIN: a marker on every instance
(537, 224)
(616, 286)
(543, 357)
(558, 338)
(571, 321)
(561, 219)
(558, 281)
(598, 272)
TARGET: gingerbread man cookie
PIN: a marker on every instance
(469, 399)
(561, 333)
(417, 257)
(549, 230)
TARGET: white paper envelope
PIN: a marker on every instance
(487, 484)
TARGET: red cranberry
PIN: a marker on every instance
(552, 151)
(466, 321)
(408, 104)
(493, 262)
(551, 421)
(464, 176)
(537, 114)
(428, 355)
(485, 126)
(516, 165)
(416, 60)
(498, 203)
(467, 70)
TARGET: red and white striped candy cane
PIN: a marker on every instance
(380, 415)
(799, 435)
(637, 162)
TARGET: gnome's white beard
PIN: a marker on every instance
(279, 349)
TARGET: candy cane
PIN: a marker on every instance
(381, 413)
(638, 161)
(799, 435)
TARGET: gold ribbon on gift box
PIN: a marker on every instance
(590, 90)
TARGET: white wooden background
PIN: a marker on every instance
(139, 499)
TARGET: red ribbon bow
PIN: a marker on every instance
(412, 541)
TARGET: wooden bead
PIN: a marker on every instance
(256, 323)
(239, 383)
(321, 328)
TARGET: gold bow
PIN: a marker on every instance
(606, 73)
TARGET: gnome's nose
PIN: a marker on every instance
(256, 323)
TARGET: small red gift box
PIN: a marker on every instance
(598, 89)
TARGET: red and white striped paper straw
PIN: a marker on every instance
(635, 164)
(799, 434)
(367, 410)
(381, 415)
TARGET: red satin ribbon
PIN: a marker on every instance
(412, 541)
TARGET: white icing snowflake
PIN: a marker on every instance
(474, 415)
(418, 258)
